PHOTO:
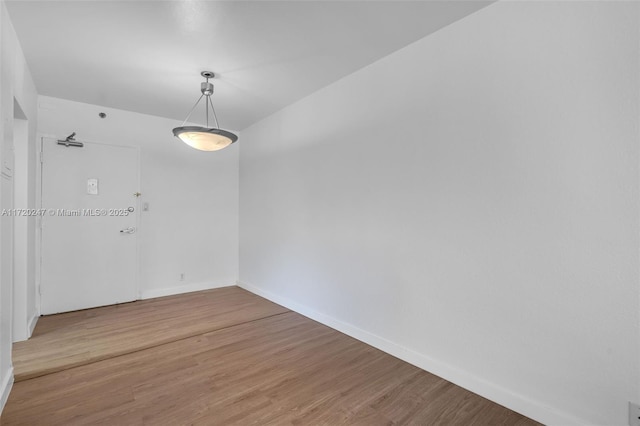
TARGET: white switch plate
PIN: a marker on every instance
(92, 186)
(634, 414)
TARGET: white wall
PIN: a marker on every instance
(470, 204)
(16, 87)
(192, 223)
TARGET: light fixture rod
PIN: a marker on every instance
(214, 113)
(191, 112)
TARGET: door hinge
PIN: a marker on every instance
(41, 157)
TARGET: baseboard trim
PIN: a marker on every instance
(7, 384)
(187, 288)
(32, 324)
(516, 402)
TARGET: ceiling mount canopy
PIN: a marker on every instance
(205, 138)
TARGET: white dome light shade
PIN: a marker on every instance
(203, 138)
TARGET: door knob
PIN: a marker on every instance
(129, 230)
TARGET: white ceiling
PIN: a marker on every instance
(146, 56)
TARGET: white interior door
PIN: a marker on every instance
(89, 224)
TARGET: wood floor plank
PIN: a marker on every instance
(280, 370)
(76, 338)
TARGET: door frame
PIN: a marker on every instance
(38, 249)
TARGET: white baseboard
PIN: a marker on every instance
(516, 402)
(32, 324)
(187, 288)
(7, 384)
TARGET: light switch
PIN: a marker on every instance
(92, 186)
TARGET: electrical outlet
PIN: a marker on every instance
(182, 276)
(634, 414)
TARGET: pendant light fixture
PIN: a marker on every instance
(205, 138)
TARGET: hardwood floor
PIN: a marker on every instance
(76, 338)
(281, 369)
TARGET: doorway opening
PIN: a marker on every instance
(25, 311)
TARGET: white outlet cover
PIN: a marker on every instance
(634, 414)
(92, 186)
